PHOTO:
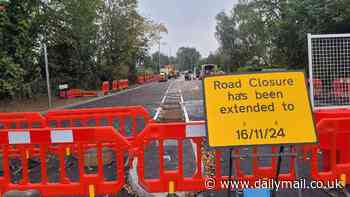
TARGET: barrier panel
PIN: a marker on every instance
(129, 121)
(63, 94)
(86, 93)
(115, 85)
(123, 84)
(334, 146)
(331, 113)
(141, 79)
(318, 88)
(54, 161)
(105, 87)
(74, 93)
(176, 179)
(341, 88)
(21, 120)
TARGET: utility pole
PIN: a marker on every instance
(47, 67)
(159, 53)
(47, 75)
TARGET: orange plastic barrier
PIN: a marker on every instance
(334, 138)
(341, 88)
(115, 85)
(141, 79)
(128, 120)
(105, 87)
(181, 132)
(331, 113)
(86, 93)
(54, 162)
(75, 93)
(318, 87)
(123, 84)
(21, 120)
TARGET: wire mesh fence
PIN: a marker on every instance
(329, 70)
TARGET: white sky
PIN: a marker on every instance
(191, 23)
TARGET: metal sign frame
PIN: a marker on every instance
(311, 54)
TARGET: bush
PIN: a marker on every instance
(11, 78)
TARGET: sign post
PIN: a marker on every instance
(267, 108)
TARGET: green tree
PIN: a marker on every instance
(71, 33)
(19, 31)
(187, 57)
(274, 31)
(164, 59)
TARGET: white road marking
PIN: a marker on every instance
(163, 100)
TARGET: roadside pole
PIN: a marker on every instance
(159, 53)
(46, 66)
(47, 75)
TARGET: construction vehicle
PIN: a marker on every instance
(169, 71)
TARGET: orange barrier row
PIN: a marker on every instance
(86, 93)
(69, 143)
(105, 87)
(181, 132)
(75, 93)
(141, 79)
(334, 137)
(147, 78)
(340, 88)
(129, 121)
(123, 84)
(20, 120)
(115, 85)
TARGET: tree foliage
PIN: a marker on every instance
(88, 41)
(186, 57)
(19, 30)
(265, 32)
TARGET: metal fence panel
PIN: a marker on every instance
(329, 70)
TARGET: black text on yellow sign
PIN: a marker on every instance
(258, 109)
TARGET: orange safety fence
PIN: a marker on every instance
(331, 158)
(115, 85)
(192, 133)
(105, 87)
(56, 161)
(123, 84)
(21, 120)
(141, 79)
(128, 120)
(72, 133)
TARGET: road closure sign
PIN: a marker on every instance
(258, 109)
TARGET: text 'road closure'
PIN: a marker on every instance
(264, 108)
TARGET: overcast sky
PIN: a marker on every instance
(190, 23)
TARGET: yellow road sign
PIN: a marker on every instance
(258, 109)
